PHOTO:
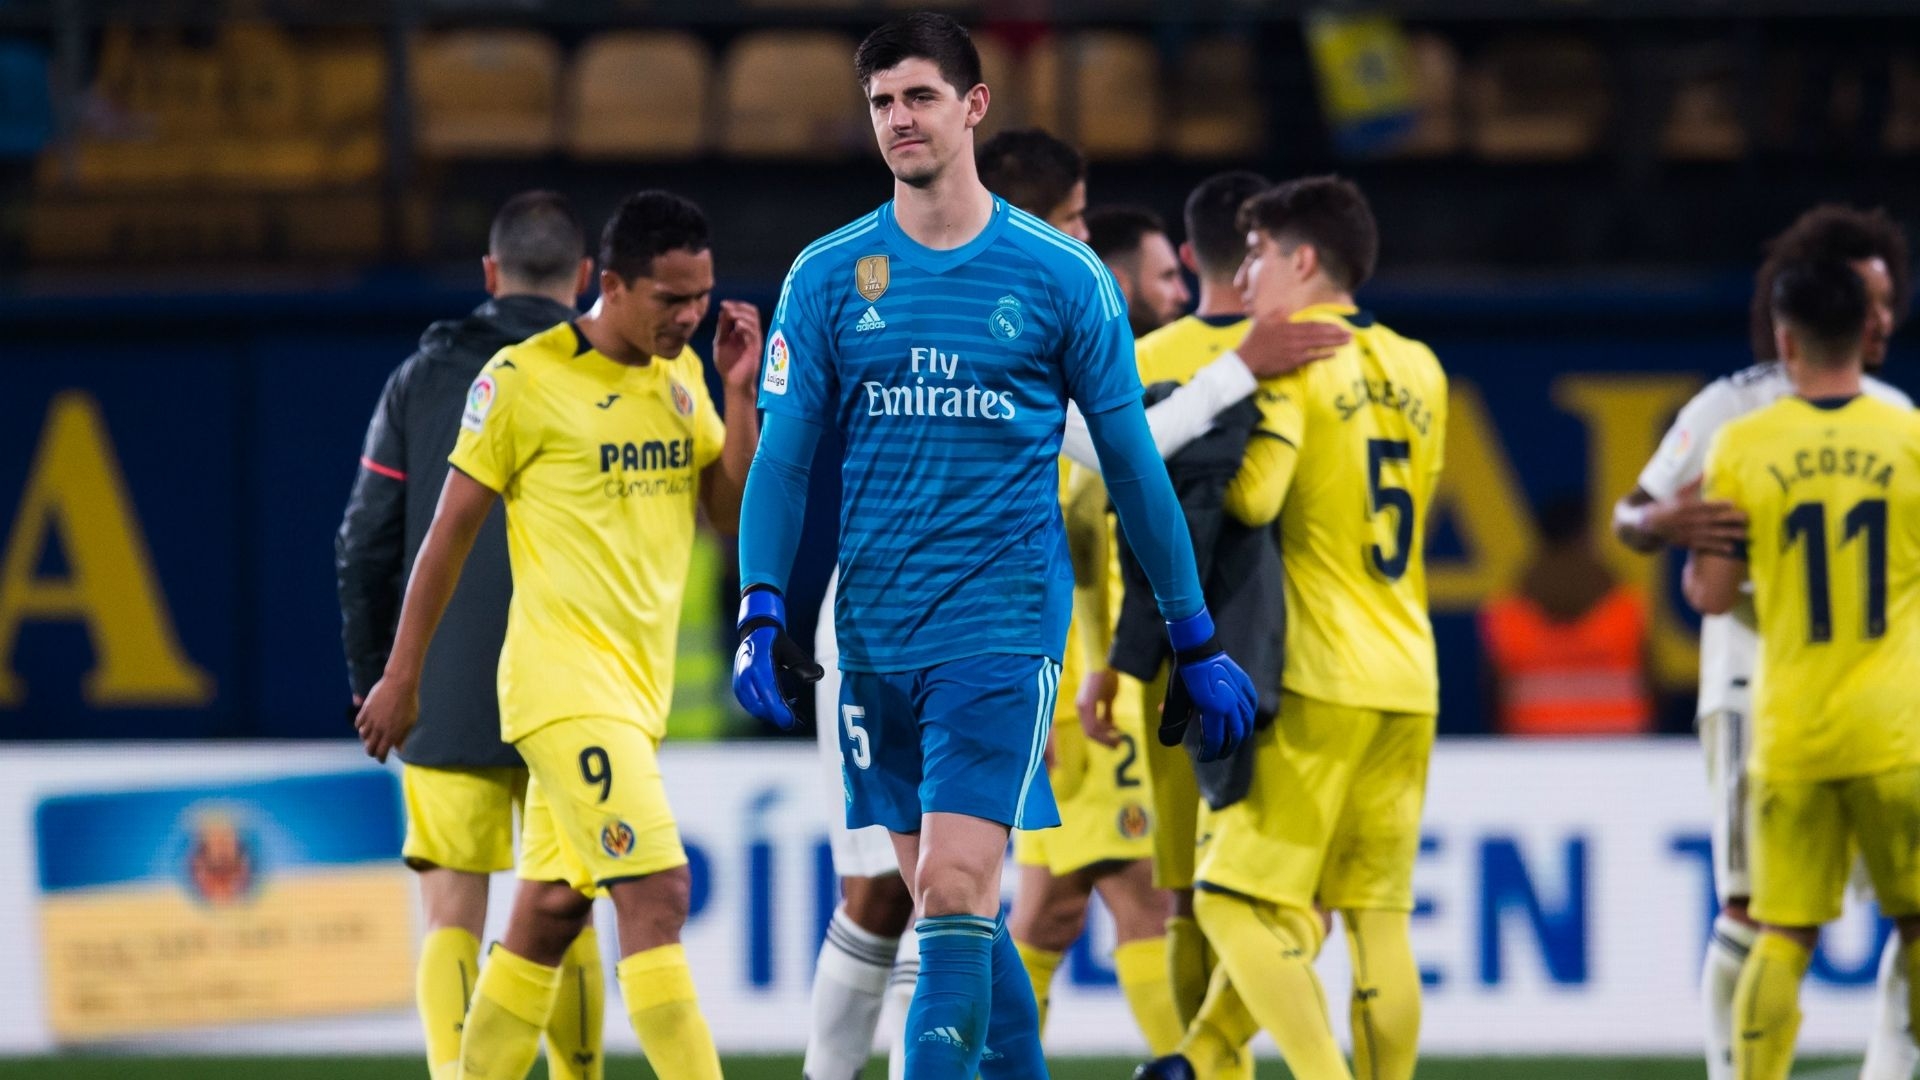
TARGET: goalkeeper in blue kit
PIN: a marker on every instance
(942, 336)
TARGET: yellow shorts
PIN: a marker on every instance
(1102, 792)
(1804, 833)
(596, 808)
(461, 819)
(1333, 816)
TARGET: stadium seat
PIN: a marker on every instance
(486, 93)
(635, 94)
(346, 77)
(1436, 89)
(1216, 108)
(1539, 99)
(790, 93)
(1703, 123)
(1005, 107)
(1115, 82)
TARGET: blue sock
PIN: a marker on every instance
(947, 1022)
(1013, 1025)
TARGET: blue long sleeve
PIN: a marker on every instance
(775, 502)
(1150, 515)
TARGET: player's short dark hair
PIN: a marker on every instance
(1823, 302)
(536, 238)
(923, 35)
(1116, 232)
(1031, 169)
(650, 223)
(1831, 231)
(1328, 212)
(1213, 219)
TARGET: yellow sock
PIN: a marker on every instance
(1142, 967)
(1386, 995)
(511, 1003)
(1187, 966)
(442, 985)
(1766, 1008)
(1216, 1040)
(1040, 964)
(665, 1011)
(1267, 951)
(574, 1031)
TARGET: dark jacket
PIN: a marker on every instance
(402, 469)
(1241, 576)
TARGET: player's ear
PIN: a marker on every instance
(611, 284)
(583, 279)
(1306, 260)
(977, 101)
(490, 272)
(1188, 259)
(1784, 346)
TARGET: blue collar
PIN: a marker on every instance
(935, 261)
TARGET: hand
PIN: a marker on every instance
(1095, 705)
(1688, 521)
(736, 345)
(1208, 686)
(768, 663)
(1275, 346)
(388, 715)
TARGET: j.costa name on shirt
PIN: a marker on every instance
(919, 397)
(1809, 462)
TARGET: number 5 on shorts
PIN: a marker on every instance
(851, 716)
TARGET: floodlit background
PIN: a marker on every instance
(223, 222)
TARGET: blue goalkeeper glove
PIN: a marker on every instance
(770, 670)
(1206, 685)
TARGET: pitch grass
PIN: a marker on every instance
(788, 1068)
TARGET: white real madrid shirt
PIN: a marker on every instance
(1729, 644)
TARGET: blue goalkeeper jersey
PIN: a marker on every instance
(947, 374)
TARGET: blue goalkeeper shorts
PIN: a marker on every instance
(964, 737)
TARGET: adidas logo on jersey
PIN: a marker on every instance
(949, 1035)
(870, 321)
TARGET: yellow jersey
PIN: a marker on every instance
(1832, 496)
(599, 463)
(1367, 431)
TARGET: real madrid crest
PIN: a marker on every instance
(872, 275)
(1005, 322)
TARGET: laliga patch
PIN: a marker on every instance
(682, 400)
(479, 402)
(779, 359)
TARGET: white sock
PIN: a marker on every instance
(1891, 1054)
(1727, 950)
(848, 987)
(906, 975)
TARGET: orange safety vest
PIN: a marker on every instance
(1585, 677)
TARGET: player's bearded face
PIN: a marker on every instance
(920, 121)
(1879, 284)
